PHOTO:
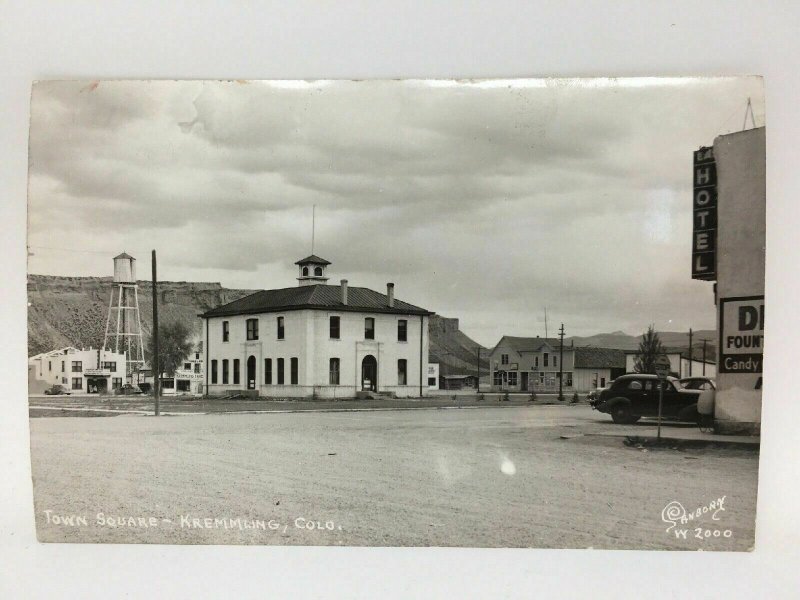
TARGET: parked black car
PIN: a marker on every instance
(57, 390)
(698, 383)
(635, 395)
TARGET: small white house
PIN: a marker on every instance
(433, 376)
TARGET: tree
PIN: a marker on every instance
(174, 345)
(649, 349)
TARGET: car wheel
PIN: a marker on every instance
(621, 413)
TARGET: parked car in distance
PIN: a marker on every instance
(57, 390)
(698, 383)
(635, 395)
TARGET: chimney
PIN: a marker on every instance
(390, 294)
(344, 291)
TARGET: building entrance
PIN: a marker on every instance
(369, 374)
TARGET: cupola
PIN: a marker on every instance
(312, 270)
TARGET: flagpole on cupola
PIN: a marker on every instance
(313, 225)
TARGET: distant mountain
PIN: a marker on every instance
(72, 311)
(678, 340)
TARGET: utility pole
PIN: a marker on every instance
(690, 351)
(155, 363)
(478, 383)
(561, 364)
(704, 356)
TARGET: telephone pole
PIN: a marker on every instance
(561, 364)
(704, 355)
(154, 358)
(478, 383)
(690, 351)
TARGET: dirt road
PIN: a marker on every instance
(488, 477)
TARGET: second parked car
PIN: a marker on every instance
(635, 395)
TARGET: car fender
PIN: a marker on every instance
(688, 413)
(609, 405)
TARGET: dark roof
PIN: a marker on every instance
(123, 255)
(587, 357)
(321, 297)
(312, 259)
(527, 344)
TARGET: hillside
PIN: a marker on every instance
(72, 311)
(670, 340)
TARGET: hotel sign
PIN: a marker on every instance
(704, 204)
(741, 334)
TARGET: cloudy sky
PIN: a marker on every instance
(487, 201)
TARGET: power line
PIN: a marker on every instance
(98, 252)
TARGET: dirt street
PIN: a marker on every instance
(488, 477)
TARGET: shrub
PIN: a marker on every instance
(533, 397)
(575, 398)
(506, 397)
(481, 397)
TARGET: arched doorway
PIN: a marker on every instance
(251, 373)
(369, 374)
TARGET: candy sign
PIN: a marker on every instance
(741, 334)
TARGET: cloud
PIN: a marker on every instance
(482, 201)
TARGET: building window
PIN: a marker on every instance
(318, 271)
(109, 366)
(555, 360)
(224, 371)
(62, 366)
(369, 328)
(167, 384)
(268, 370)
(184, 385)
(497, 378)
(402, 330)
(535, 361)
(305, 271)
(431, 381)
(196, 367)
(235, 371)
(568, 379)
(77, 366)
(252, 329)
(402, 371)
(504, 359)
(512, 378)
(187, 366)
(49, 365)
(77, 383)
(333, 373)
(214, 371)
(226, 331)
(64, 380)
(280, 371)
(334, 328)
(280, 328)
(197, 356)
(116, 383)
(293, 369)
(545, 360)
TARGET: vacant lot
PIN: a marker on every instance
(483, 477)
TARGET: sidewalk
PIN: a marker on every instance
(647, 435)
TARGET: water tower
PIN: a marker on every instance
(123, 325)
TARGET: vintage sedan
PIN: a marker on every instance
(635, 395)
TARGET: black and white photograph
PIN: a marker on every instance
(473, 313)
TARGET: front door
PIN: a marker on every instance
(369, 374)
(524, 385)
(251, 373)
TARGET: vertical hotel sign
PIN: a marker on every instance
(704, 234)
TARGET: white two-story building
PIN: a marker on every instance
(317, 340)
(80, 371)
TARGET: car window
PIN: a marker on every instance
(635, 384)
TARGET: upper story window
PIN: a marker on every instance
(49, 365)
(369, 328)
(226, 331)
(109, 366)
(62, 366)
(335, 328)
(318, 271)
(77, 366)
(196, 367)
(545, 358)
(252, 329)
(402, 330)
(535, 361)
(305, 271)
(555, 360)
(280, 328)
(197, 356)
(504, 359)
(187, 366)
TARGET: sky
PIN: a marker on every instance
(482, 200)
